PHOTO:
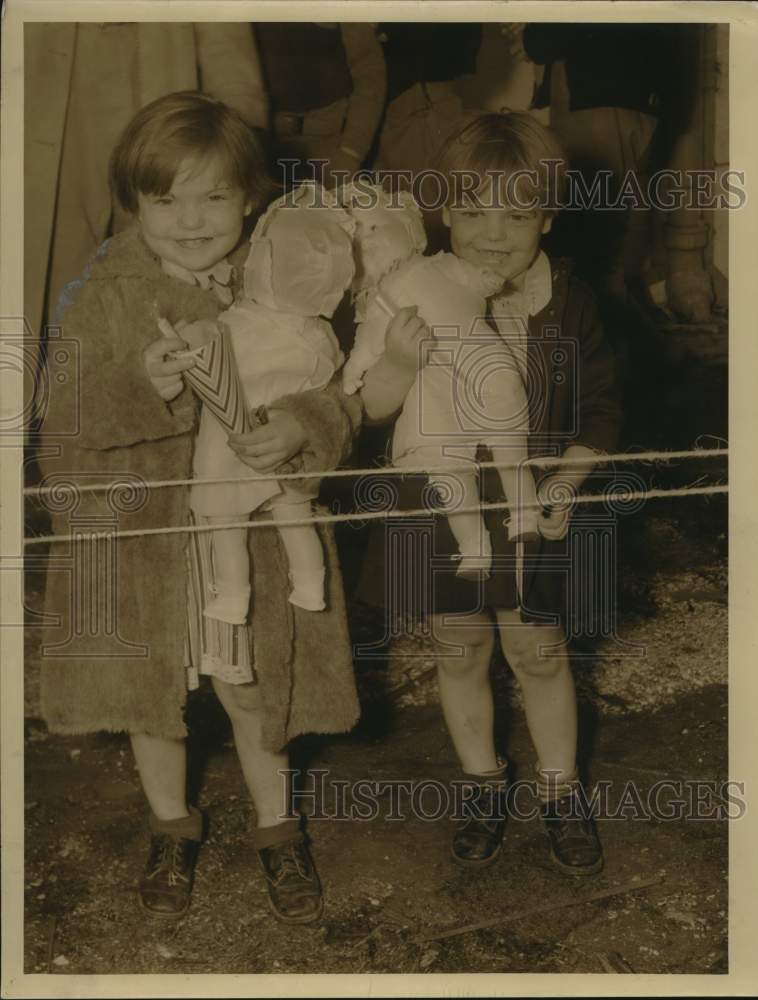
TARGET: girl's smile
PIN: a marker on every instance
(199, 221)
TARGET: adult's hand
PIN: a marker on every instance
(265, 448)
(165, 372)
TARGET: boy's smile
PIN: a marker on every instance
(505, 240)
(199, 221)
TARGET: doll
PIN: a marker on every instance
(469, 392)
(299, 266)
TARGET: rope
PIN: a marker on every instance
(390, 470)
(619, 497)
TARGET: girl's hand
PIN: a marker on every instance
(405, 333)
(266, 448)
(165, 372)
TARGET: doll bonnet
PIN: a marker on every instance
(388, 231)
(301, 258)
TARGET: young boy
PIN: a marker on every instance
(518, 165)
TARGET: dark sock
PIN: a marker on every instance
(190, 827)
(280, 833)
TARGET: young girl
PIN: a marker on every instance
(191, 173)
(495, 231)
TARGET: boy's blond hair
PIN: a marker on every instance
(500, 146)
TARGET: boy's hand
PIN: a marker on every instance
(265, 448)
(163, 371)
(405, 333)
(557, 497)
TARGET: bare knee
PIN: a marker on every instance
(462, 649)
(534, 654)
(239, 700)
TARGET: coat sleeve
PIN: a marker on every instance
(331, 420)
(230, 68)
(598, 390)
(366, 61)
(106, 399)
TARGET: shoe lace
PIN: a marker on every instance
(290, 863)
(169, 859)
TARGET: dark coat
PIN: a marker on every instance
(108, 422)
(573, 399)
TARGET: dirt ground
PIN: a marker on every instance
(389, 882)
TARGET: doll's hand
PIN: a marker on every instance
(557, 497)
(267, 447)
(405, 334)
(164, 371)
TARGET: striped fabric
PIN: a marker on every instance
(212, 647)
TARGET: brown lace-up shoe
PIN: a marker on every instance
(294, 889)
(166, 884)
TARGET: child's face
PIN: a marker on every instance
(504, 239)
(199, 221)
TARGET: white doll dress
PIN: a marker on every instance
(277, 354)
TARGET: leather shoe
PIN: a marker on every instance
(479, 839)
(574, 844)
(294, 889)
(166, 884)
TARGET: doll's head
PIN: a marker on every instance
(301, 257)
(190, 169)
(503, 174)
(388, 230)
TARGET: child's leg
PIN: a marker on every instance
(465, 691)
(293, 884)
(231, 571)
(520, 492)
(176, 828)
(548, 690)
(305, 552)
(550, 706)
(468, 529)
(467, 704)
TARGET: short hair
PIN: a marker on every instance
(179, 126)
(502, 145)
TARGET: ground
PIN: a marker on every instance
(661, 716)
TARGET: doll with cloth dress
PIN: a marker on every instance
(299, 266)
(470, 388)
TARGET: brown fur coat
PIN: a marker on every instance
(106, 422)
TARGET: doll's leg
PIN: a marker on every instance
(520, 492)
(468, 528)
(305, 552)
(231, 572)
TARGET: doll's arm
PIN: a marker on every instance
(368, 347)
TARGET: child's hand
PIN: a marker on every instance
(165, 372)
(557, 496)
(199, 333)
(405, 333)
(265, 448)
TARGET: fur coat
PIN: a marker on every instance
(116, 659)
